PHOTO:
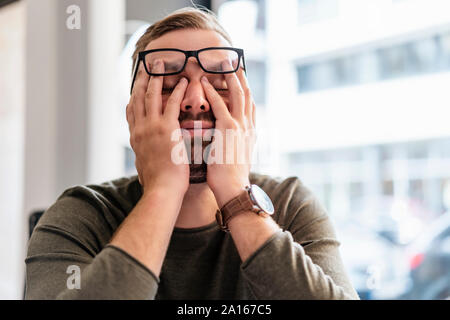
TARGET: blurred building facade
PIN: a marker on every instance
(356, 105)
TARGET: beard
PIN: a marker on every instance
(197, 171)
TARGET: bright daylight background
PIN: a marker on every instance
(352, 97)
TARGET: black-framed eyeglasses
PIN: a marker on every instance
(216, 60)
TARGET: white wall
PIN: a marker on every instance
(70, 96)
(151, 11)
(70, 107)
(105, 43)
(12, 42)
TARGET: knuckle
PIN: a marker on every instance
(151, 92)
(137, 96)
(171, 100)
(161, 130)
(138, 135)
(148, 94)
(136, 140)
(153, 122)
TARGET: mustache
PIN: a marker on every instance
(203, 116)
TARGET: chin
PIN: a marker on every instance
(197, 180)
(197, 173)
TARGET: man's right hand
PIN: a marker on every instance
(151, 128)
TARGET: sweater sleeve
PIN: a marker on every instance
(301, 261)
(69, 258)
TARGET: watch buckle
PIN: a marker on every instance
(219, 219)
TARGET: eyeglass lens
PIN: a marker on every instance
(214, 60)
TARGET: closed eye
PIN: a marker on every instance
(221, 90)
(170, 90)
(167, 90)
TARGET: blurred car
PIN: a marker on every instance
(374, 242)
(429, 262)
(377, 268)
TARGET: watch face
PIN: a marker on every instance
(262, 199)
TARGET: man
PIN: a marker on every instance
(160, 235)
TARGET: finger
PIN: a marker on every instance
(173, 106)
(237, 99)
(138, 169)
(130, 117)
(153, 98)
(254, 115)
(247, 93)
(138, 95)
(218, 106)
(141, 80)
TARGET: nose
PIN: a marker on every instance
(194, 99)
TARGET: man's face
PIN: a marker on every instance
(195, 106)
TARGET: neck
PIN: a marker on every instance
(198, 208)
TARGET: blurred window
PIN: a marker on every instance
(257, 80)
(310, 11)
(413, 58)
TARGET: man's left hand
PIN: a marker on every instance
(236, 137)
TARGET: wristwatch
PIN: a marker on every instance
(253, 199)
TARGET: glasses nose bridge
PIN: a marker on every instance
(193, 54)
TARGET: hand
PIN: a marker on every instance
(151, 130)
(228, 178)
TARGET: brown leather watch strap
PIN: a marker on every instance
(234, 207)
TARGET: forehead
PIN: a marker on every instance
(188, 39)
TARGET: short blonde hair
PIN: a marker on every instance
(185, 18)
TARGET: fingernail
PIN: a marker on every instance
(183, 81)
(204, 79)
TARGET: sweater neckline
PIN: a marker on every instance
(213, 225)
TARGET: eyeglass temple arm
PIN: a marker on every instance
(243, 62)
(135, 74)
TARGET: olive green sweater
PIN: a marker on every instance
(300, 262)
